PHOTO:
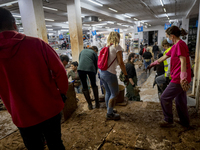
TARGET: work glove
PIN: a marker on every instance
(153, 64)
(184, 83)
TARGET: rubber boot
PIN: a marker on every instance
(96, 96)
(87, 97)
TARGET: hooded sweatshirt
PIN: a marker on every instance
(32, 78)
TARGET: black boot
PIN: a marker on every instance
(96, 96)
(87, 97)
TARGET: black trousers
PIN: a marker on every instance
(83, 78)
(50, 130)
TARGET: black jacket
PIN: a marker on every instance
(130, 68)
(147, 55)
(155, 48)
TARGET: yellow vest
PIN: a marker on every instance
(165, 63)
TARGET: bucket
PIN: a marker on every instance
(120, 98)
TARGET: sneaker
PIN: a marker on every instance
(113, 116)
(114, 111)
(165, 124)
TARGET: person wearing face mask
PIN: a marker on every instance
(130, 88)
(75, 77)
(181, 77)
(164, 79)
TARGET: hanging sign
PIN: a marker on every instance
(167, 25)
(116, 30)
(94, 33)
(140, 28)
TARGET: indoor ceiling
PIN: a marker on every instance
(128, 12)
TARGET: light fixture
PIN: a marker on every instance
(49, 19)
(48, 25)
(86, 25)
(161, 2)
(168, 18)
(119, 24)
(64, 30)
(113, 9)
(125, 25)
(135, 19)
(95, 3)
(50, 8)
(142, 22)
(99, 24)
(107, 27)
(100, 19)
(167, 15)
(164, 9)
(149, 25)
(8, 4)
(51, 33)
(110, 22)
(17, 16)
(127, 16)
(146, 23)
(132, 26)
(50, 29)
(21, 28)
(82, 16)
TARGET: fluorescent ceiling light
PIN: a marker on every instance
(49, 19)
(86, 25)
(142, 22)
(164, 9)
(135, 19)
(17, 16)
(82, 16)
(119, 24)
(110, 22)
(127, 16)
(49, 25)
(113, 9)
(51, 33)
(100, 19)
(125, 25)
(50, 29)
(167, 15)
(50, 8)
(161, 2)
(149, 25)
(99, 24)
(95, 3)
(146, 23)
(8, 4)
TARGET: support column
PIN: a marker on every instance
(185, 25)
(75, 27)
(33, 20)
(196, 79)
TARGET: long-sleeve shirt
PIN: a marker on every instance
(74, 76)
(32, 78)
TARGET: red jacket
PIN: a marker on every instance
(32, 78)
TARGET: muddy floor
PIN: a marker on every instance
(137, 129)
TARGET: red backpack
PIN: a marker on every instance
(103, 59)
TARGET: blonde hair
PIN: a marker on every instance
(113, 38)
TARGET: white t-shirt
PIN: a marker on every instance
(112, 55)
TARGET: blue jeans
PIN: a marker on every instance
(78, 89)
(146, 64)
(111, 86)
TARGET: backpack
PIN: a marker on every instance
(103, 59)
(122, 77)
